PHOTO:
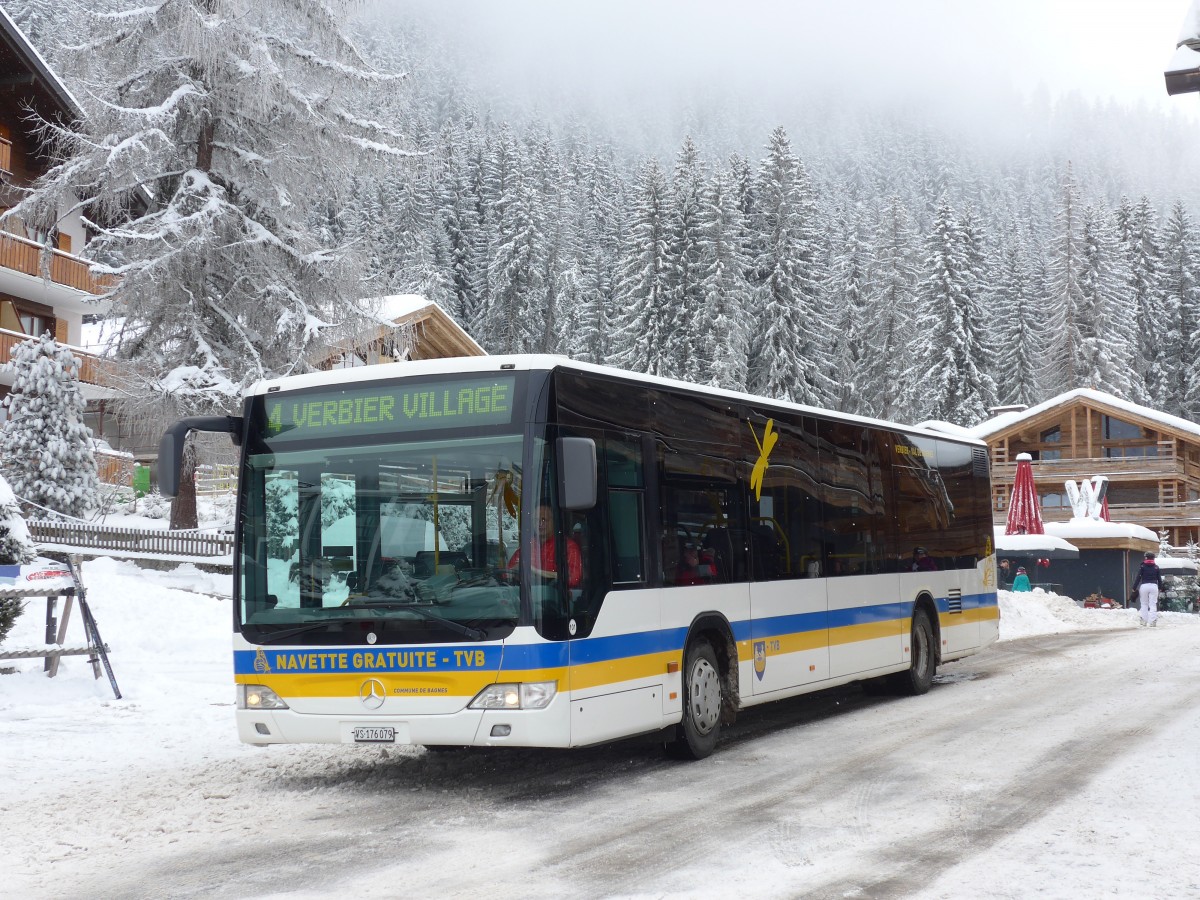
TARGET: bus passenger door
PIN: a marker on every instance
(789, 634)
(866, 617)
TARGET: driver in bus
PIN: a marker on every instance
(544, 564)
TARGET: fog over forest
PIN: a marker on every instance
(807, 203)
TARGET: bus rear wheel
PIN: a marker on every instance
(703, 690)
(920, 673)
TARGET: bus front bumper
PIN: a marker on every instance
(549, 727)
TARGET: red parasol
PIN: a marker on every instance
(1104, 509)
(1024, 509)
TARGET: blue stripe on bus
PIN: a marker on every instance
(552, 655)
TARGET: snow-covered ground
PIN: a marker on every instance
(169, 631)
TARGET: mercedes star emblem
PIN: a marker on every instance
(372, 693)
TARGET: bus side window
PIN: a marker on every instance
(626, 489)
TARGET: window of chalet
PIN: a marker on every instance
(1132, 494)
(1119, 430)
(1055, 501)
(1052, 436)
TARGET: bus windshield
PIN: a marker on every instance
(396, 542)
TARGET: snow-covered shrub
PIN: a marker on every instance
(16, 547)
(45, 448)
(155, 506)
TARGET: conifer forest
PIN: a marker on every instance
(840, 250)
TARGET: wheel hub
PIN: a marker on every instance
(704, 695)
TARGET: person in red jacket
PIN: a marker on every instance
(692, 568)
(545, 565)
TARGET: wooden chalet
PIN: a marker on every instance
(1151, 460)
(37, 295)
(410, 328)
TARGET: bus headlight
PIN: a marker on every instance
(525, 695)
(258, 696)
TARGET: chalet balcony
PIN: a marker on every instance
(23, 255)
(1117, 468)
(1157, 517)
(92, 369)
(5, 156)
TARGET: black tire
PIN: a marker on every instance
(703, 697)
(920, 673)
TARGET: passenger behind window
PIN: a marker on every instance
(922, 561)
(695, 567)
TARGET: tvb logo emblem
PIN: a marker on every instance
(760, 658)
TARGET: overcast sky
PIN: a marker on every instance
(955, 49)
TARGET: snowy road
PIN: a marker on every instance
(1035, 747)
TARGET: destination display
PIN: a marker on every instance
(390, 408)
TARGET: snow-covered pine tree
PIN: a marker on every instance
(792, 354)
(460, 220)
(514, 313)
(516, 251)
(45, 448)
(217, 135)
(946, 380)
(723, 320)
(889, 300)
(16, 548)
(686, 242)
(644, 288)
(221, 271)
(598, 241)
(846, 311)
(1064, 302)
(1181, 283)
(1017, 332)
(1102, 330)
(1138, 232)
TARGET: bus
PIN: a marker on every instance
(489, 552)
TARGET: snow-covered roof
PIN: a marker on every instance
(52, 82)
(1004, 421)
(1078, 529)
(1031, 544)
(399, 305)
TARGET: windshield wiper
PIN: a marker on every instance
(475, 634)
(299, 629)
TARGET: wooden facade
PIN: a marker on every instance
(41, 290)
(1151, 460)
(423, 332)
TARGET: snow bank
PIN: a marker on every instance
(1038, 612)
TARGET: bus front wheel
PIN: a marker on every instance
(696, 735)
(920, 673)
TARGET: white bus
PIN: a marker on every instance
(703, 551)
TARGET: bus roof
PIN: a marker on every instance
(462, 365)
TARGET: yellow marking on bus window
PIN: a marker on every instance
(770, 438)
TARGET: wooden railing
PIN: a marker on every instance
(24, 255)
(132, 541)
(6, 156)
(1085, 467)
(92, 369)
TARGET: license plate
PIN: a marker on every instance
(375, 735)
